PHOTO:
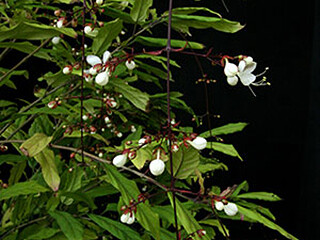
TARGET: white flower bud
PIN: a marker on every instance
(219, 205)
(142, 141)
(119, 160)
(230, 69)
(67, 70)
(107, 120)
(198, 143)
(99, 2)
(133, 128)
(100, 155)
(87, 29)
(125, 217)
(55, 40)
(60, 23)
(131, 219)
(84, 117)
(119, 134)
(130, 64)
(232, 81)
(157, 167)
(102, 78)
(231, 209)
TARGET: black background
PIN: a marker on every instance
(280, 146)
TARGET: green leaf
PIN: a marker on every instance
(134, 95)
(11, 158)
(190, 10)
(185, 161)
(224, 148)
(129, 190)
(258, 208)
(36, 231)
(23, 188)
(26, 47)
(140, 10)
(265, 196)
(256, 217)
(116, 228)
(49, 169)
(143, 154)
(101, 191)
(106, 35)
(41, 124)
(70, 226)
(183, 22)
(33, 31)
(16, 172)
(5, 103)
(226, 129)
(35, 144)
(242, 186)
(114, 13)
(189, 223)
(162, 42)
(79, 197)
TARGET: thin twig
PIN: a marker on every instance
(23, 60)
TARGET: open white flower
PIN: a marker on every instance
(230, 208)
(198, 143)
(119, 160)
(130, 65)
(127, 218)
(97, 64)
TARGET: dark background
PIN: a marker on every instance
(280, 146)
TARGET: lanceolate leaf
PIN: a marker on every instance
(256, 217)
(265, 196)
(129, 190)
(35, 144)
(116, 228)
(33, 31)
(226, 129)
(49, 169)
(23, 188)
(162, 42)
(134, 95)
(70, 226)
(139, 11)
(185, 161)
(26, 47)
(189, 223)
(106, 35)
(224, 148)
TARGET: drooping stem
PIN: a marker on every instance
(169, 120)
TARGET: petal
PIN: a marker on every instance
(250, 67)
(247, 78)
(232, 80)
(230, 69)
(102, 78)
(93, 60)
(106, 56)
(242, 65)
(231, 209)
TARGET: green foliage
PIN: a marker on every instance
(61, 183)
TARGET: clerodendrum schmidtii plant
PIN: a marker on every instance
(95, 156)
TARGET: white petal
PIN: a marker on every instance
(142, 141)
(232, 80)
(231, 209)
(247, 78)
(242, 65)
(93, 60)
(106, 56)
(156, 167)
(93, 71)
(219, 205)
(56, 40)
(199, 143)
(250, 67)
(87, 29)
(230, 69)
(102, 78)
(131, 219)
(125, 217)
(119, 160)
(248, 60)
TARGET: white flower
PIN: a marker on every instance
(99, 2)
(156, 167)
(231, 209)
(84, 117)
(133, 128)
(198, 143)
(244, 72)
(55, 40)
(119, 160)
(219, 205)
(87, 29)
(130, 64)
(107, 120)
(97, 66)
(131, 219)
(60, 22)
(119, 134)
